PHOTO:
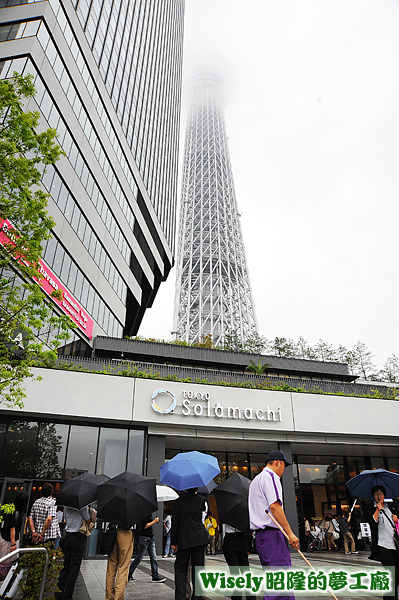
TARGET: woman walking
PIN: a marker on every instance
(382, 529)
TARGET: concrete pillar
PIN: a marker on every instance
(287, 481)
(155, 460)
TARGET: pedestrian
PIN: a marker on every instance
(307, 527)
(167, 524)
(235, 549)
(211, 525)
(73, 549)
(189, 539)
(147, 542)
(12, 516)
(382, 530)
(343, 522)
(265, 493)
(43, 522)
(329, 527)
(118, 565)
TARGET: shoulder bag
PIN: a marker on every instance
(395, 533)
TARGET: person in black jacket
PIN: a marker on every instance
(11, 524)
(189, 539)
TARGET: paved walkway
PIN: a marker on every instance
(91, 582)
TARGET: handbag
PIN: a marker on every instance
(86, 528)
(395, 533)
(335, 535)
(108, 540)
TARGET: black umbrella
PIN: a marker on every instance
(232, 502)
(206, 489)
(126, 499)
(81, 490)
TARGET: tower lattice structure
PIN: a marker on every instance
(213, 292)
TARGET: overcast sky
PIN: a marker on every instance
(313, 123)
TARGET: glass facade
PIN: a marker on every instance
(31, 449)
(116, 184)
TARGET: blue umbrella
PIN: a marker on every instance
(189, 470)
(362, 484)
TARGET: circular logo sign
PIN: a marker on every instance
(156, 407)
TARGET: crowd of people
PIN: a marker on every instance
(190, 533)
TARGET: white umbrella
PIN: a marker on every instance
(165, 493)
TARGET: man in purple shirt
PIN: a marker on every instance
(265, 493)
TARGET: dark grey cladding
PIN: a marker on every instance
(209, 358)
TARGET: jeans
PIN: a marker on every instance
(168, 548)
(145, 543)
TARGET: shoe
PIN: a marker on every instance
(355, 552)
(131, 579)
(164, 555)
(159, 579)
(347, 552)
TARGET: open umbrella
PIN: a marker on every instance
(206, 489)
(126, 499)
(81, 490)
(232, 502)
(362, 484)
(165, 493)
(189, 470)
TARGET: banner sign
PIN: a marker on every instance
(50, 282)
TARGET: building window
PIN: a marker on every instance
(19, 450)
(112, 452)
(82, 450)
(50, 451)
(136, 451)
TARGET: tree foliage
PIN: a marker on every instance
(257, 367)
(24, 309)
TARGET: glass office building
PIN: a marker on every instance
(108, 79)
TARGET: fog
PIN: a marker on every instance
(312, 96)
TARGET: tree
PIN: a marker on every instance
(283, 347)
(255, 343)
(233, 342)
(390, 370)
(257, 368)
(324, 351)
(303, 350)
(25, 226)
(206, 341)
(360, 362)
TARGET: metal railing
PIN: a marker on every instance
(27, 550)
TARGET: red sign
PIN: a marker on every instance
(50, 282)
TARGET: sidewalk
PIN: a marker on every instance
(91, 582)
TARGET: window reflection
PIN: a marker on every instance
(19, 449)
(257, 464)
(50, 450)
(112, 451)
(238, 463)
(136, 452)
(82, 451)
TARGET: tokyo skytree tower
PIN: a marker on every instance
(213, 294)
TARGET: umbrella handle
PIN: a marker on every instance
(299, 552)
